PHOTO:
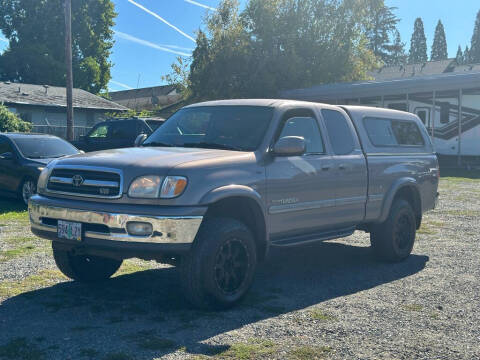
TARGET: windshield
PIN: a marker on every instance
(44, 148)
(238, 128)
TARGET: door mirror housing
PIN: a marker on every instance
(140, 139)
(6, 156)
(290, 146)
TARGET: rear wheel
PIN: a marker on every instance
(219, 269)
(84, 268)
(393, 240)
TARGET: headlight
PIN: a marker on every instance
(44, 175)
(147, 187)
(173, 186)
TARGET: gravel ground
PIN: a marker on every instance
(329, 300)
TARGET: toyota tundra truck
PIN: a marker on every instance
(222, 182)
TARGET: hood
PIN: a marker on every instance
(147, 160)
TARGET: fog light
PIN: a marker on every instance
(139, 228)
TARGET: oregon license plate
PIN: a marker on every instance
(69, 230)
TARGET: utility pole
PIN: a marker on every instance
(68, 63)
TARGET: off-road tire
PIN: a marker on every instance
(202, 278)
(393, 240)
(84, 268)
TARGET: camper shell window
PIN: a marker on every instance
(391, 132)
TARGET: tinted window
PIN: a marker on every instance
(154, 124)
(219, 127)
(38, 148)
(5, 146)
(389, 132)
(123, 130)
(339, 132)
(307, 128)
(100, 131)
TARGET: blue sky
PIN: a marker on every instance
(150, 33)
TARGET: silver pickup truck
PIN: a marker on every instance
(221, 182)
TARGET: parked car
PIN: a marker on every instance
(115, 134)
(221, 182)
(23, 157)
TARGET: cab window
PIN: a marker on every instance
(307, 128)
(391, 132)
(100, 131)
(339, 132)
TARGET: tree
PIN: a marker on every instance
(381, 25)
(474, 53)
(418, 44)
(36, 53)
(459, 57)
(466, 56)
(277, 44)
(10, 122)
(397, 55)
(439, 47)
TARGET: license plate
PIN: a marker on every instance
(69, 230)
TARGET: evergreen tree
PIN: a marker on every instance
(397, 56)
(459, 57)
(466, 56)
(418, 44)
(474, 53)
(439, 47)
(381, 24)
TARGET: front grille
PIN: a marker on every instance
(83, 182)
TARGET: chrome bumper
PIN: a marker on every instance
(166, 230)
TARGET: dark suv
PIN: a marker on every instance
(115, 134)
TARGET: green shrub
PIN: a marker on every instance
(10, 122)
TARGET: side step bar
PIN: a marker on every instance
(311, 238)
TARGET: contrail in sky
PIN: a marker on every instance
(125, 86)
(162, 19)
(149, 44)
(201, 5)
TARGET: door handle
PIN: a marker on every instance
(342, 166)
(325, 168)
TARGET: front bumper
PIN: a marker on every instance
(106, 227)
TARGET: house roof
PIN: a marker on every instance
(413, 70)
(43, 95)
(142, 92)
(431, 76)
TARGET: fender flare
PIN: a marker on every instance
(228, 191)
(392, 192)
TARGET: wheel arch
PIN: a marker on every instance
(244, 204)
(404, 188)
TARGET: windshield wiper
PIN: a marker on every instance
(159, 144)
(206, 145)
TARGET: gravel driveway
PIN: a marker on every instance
(325, 301)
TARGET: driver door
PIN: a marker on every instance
(9, 174)
(300, 189)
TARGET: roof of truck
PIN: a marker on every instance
(250, 102)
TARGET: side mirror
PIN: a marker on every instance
(139, 140)
(290, 146)
(6, 156)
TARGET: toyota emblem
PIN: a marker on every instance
(77, 180)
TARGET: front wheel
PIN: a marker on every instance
(393, 240)
(27, 190)
(84, 268)
(220, 267)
